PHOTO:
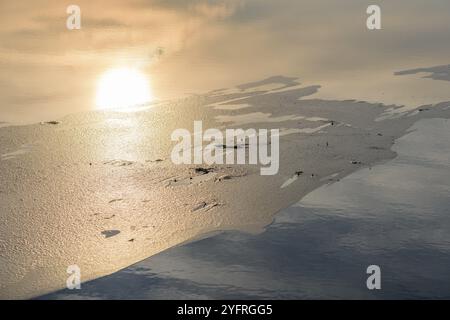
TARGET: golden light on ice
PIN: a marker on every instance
(123, 88)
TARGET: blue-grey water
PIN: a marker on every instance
(395, 215)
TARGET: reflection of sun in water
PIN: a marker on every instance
(122, 88)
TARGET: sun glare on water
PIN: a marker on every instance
(123, 88)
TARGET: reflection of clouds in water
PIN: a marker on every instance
(435, 73)
(38, 31)
(36, 45)
(219, 42)
(279, 82)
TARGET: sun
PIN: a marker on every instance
(122, 88)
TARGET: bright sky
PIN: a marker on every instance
(192, 46)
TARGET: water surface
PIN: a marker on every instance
(395, 215)
(192, 46)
